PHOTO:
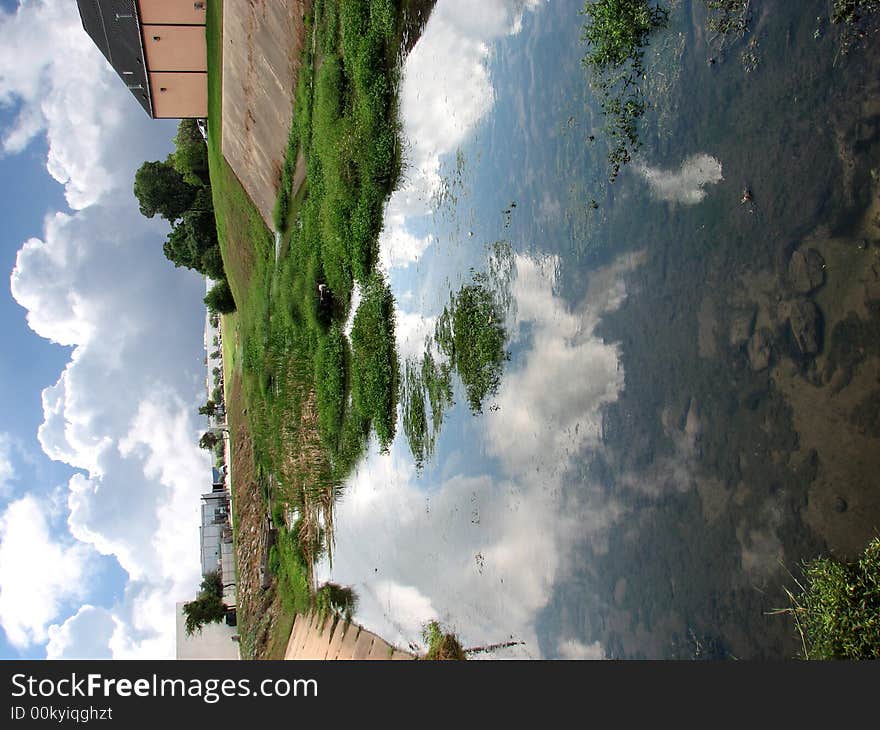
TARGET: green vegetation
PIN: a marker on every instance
(852, 11)
(334, 598)
(219, 299)
(179, 190)
(374, 360)
(311, 396)
(208, 606)
(728, 16)
(469, 338)
(617, 32)
(190, 156)
(837, 612)
(442, 645)
(470, 332)
(209, 440)
(161, 189)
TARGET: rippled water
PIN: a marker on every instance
(623, 479)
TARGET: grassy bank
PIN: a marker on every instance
(312, 396)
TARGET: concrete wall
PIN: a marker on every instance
(184, 95)
(175, 47)
(171, 11)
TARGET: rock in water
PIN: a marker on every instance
(741, 325)
(759, 350)
(806, 270)
(806, 322)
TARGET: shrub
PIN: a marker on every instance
(220, 298)
(837, 613)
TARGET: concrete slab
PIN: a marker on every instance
(364, 645)
(346, 651)
(262, 45)
(381, 650)
(336, 640)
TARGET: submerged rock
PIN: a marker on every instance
(805, 320)
(806, 270)
(741, 325)
(759, 350)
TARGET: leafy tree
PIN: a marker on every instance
(190, 156)
(209, 409)
(209, 440)
(161, 189)
(208, 606)
(220, 298)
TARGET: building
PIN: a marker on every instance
(214, 641)
(215, 528)
(158, 48)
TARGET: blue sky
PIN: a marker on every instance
(101, 366)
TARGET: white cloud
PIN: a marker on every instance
(85, 635)
(38, 575)
(685, 185)
(62, 85)
(123, 409)
(7, 470)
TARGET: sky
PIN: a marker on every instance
(101, 364)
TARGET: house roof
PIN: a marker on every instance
(114, 26)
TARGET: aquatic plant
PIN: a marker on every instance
(617, 32)
(852, 11)
(728, 17)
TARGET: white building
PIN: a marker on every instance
(216, 641)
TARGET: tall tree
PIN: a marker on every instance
(190, 156)
(161, 189)
(220, 298)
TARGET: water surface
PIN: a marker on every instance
(635, 470)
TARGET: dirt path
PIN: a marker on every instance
(262, 45)
(334, 639)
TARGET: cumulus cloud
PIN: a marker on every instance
(39, 575)
(685, 185)
(122, 411)
(85, 635)
(62, 86)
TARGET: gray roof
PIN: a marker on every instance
(114, 26)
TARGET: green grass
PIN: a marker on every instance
(312, 397)
(837, 612)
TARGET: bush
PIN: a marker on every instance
(220, 298)
(837, 613)
(442, 645)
